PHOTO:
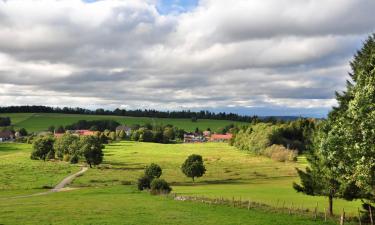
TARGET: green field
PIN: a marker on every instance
(102, 199)
(41, 121)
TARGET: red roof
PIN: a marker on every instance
(221, 136)
(85, 132)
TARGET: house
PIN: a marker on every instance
(194, 138)
(206, 133)
(76, 132)
(221, 137)
(6, 135)
(124, 128)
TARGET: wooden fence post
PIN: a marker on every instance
(359, 217)
(342, 219)
(248, 205)
(370, 211)
(325, 215)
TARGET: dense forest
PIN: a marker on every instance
(142, 113)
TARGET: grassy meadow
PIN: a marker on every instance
(34, 122)
(101, 197)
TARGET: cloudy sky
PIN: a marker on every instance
(266, 57)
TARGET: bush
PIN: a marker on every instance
(160, 186)
(280, 153)
(144, 183)
(153, 171)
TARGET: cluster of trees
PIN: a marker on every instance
(150, 180)
(5, 121)
(279, 141)
(159, 134)
(93, 125)
(69, 148)
(342, 160)
(204, 114)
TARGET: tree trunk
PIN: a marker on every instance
(193, 179)
(330, 207)
(90, 165)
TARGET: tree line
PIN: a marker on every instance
(203, 114)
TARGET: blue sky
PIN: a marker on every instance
(264, 57)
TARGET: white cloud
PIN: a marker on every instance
(261, 53)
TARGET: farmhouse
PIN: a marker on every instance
(124, 128)
(193, 138)
(221, 137)
(76, 132)
(6, 135)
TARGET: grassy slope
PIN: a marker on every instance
(41, 121)
(230, 173)
(19, 174)
(124, 205)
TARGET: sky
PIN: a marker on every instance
(264, 57)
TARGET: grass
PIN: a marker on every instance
(230, 173)
(101, 199)
(125, 205)
(21, 175)
(34, 122)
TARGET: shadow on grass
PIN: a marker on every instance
(208, 182)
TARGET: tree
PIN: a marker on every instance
(350, 139)
(122, 134)
(144, 182)
(153, 171)
(67, 145)
(346, 148)
(51, 129)
(60, 130)
(5, 121)
(23, 132)
(193, 166)
(168, 134)
(322, 179)
(160, 186)
(92, 149)
(42, 147)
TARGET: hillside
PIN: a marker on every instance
(34, 122)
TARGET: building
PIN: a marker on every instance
(221, 137)
(194, 138)
(6, 135)
(124, 128)
(206, 133)
(76, 132)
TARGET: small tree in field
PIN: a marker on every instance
(153, 171)
(92, 150)
(193, 166)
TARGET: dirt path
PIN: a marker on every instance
(58, 187)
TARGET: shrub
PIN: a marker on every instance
(43, 148)
(153, 171)
(280, 153)
(144, 183)
(160, 186)
(74, 159)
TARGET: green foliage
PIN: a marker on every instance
(144, 183)
(92, 149)
(193, 166)
(153, 171)
(349, 138)
(160, 186)
(256, 138)
(96, 125)
(43, 147)
(5, 121)
(23, 132)
(67, 144)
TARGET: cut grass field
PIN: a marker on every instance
(102, 199)
(34, 122)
